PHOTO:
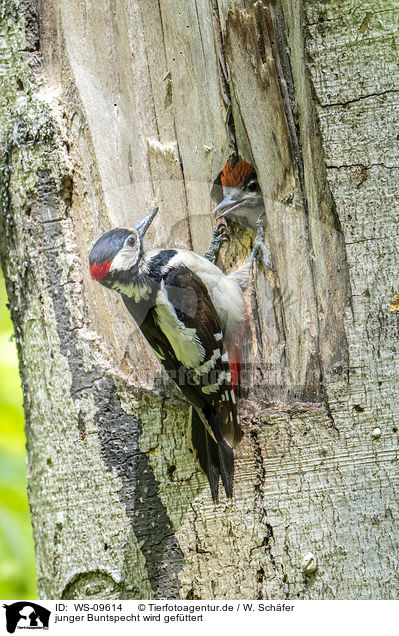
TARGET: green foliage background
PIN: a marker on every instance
(17, 565)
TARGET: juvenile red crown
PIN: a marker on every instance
(235, 172)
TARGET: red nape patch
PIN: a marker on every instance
(235, 367)
(99, 270)
(234, 172)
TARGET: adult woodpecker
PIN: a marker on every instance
(191, 314)
(243, 201)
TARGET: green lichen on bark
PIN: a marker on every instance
(68, 397)
(119, 506)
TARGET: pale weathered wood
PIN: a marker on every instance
(111, 108)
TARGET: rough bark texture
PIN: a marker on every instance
(109, 108)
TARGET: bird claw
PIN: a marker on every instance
(220, 233)
(219, 237)
(259, 224)
(259, 250)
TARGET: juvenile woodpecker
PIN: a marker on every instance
(191, 314)
(243, 202)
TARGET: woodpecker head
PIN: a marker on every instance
(115, 257)
(243, 200)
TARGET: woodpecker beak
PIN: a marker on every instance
(142, 226)
(228, 204)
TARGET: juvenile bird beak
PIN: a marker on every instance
(228, 204)
(143, 225)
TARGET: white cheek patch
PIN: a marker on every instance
(233, 191)
(238, 194)
(125, 259)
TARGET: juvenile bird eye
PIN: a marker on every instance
(131, 240)
(252, 186)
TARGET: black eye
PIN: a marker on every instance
(252, 186)
(131, 240)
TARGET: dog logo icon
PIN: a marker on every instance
(26, 615)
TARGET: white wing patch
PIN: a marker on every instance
(225, 291)
(184, 340)
(209, 364)
(213, 388)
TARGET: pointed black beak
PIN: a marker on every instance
(228, 204)
(143, 225)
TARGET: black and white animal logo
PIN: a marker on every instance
(26, 615)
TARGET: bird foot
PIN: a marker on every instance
(219, 237)
(259, 250)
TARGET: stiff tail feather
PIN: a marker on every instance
(226, 462)
(215, 458)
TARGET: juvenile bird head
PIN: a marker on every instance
(116, 256)
(243, 200)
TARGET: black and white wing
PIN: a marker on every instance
(184, 330)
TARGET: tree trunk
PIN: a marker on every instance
(108, 109)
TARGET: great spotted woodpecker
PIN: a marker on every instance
(243, 202)
(191, 314)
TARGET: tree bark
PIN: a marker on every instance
(108, 109)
